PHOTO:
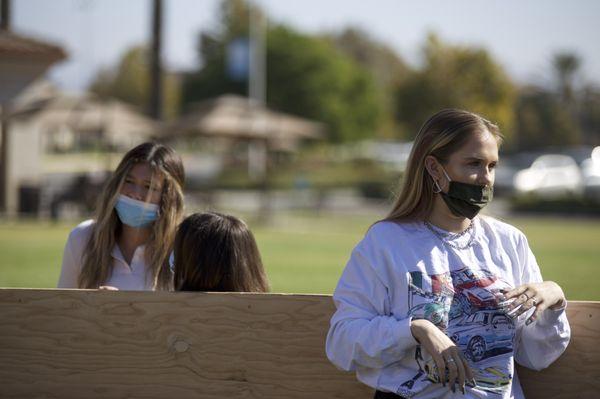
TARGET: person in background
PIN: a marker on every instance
(217, 252)
(128, 243)
(436, 301)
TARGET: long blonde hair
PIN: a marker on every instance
(97, 260)
(442, 134)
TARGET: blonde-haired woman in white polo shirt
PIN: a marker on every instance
(128, 243)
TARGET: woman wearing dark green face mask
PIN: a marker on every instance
(437, 297)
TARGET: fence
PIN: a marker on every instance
(101, 344)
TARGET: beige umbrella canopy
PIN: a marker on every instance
(241, 118)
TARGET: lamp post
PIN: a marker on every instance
(155, 62)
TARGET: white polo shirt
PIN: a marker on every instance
(130, 277)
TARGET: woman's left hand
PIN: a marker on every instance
(540, 296)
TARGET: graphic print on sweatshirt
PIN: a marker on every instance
(465, 305)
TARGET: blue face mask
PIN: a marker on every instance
(135, 213)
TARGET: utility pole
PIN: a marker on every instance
(4, 136)
(258, 71)
(156, 103)
(257, 152)
(5, 13)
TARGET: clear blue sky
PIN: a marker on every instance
(521, 35)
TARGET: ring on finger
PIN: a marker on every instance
(533, 301)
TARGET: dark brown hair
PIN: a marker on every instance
(217, 252)
(441, 135)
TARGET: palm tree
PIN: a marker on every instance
(566, 66)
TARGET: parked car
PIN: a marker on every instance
(590, 168)
(550, 176)
(508, 167)
(483, 333)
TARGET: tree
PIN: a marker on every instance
(309, 77)
(542, 121)
(557, 116)
(306, 76)
(590, 115)
(457, 77)
(129, 81)
(566, 66)
(385, 66)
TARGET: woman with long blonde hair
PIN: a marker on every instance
(436, 300)
(128, 243)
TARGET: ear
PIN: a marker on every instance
(433, 167)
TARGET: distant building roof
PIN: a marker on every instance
(240, 117)
(17, 46)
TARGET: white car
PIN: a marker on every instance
(550, 176)
(591, 174)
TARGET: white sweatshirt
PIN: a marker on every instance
(400, 272)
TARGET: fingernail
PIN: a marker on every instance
(506, 302)
(513, 311)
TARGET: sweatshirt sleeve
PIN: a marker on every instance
(540, 343)
(362, 332)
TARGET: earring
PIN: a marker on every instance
(436, 187)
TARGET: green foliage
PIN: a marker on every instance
(311, 78)
(543, 121)
(457, 77)
(563, 115)
(566, 66)
(317, 171)
(385, 66)
(568, 206)
(306, 76)
(590, 115)
(129, 81)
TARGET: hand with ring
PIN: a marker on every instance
(451, 364)
(540, 296)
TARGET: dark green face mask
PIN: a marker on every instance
(466, 200)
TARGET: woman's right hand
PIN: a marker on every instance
(445, 354)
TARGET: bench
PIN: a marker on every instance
(107, 344)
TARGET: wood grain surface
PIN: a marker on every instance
(576, 374)
(107, 344)
(103, 344)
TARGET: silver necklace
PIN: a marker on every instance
(447, 238)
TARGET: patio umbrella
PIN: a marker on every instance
(238, 117)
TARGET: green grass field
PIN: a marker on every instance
(306, 253)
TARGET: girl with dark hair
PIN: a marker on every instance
(128, 243)
(435, 297)
(217, 252)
